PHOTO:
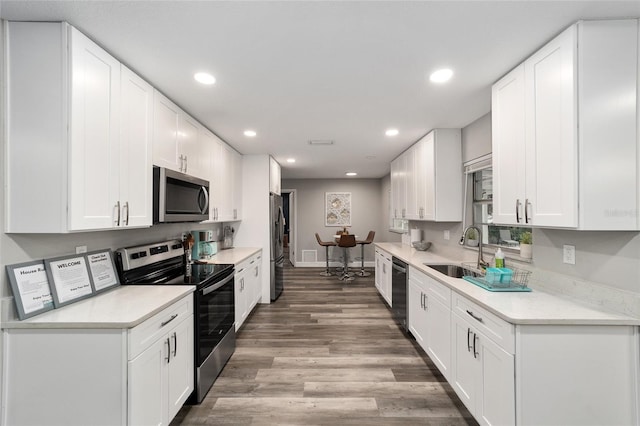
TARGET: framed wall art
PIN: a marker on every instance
(30, 287)
(337, 208)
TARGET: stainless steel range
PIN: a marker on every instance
(214, 316)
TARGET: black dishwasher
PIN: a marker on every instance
(399, 292)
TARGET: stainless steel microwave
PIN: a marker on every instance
(178, 197)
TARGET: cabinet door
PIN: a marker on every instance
(378, 271)
(428, 176)
(386, 267)
(225, 212)
(180, 367)
(551, 133)
(189, 146)
(147, 387)
(255, 276)
(417, 311)
(464, 365)
(509, 162)
(241, 299)
(136, 178)
(95, 123)
(237, 185)
(411, 208)
(496, 393)
(275, 176)
(438, 325)
(166, 151)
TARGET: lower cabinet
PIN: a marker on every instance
(383, 274)
(161, 377)
(483, 375)
(430, 318)
(100, 376)
(248, 290)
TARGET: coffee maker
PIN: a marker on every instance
(204, 246)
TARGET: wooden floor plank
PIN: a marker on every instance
(327, 353)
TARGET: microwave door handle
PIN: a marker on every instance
(204, 208)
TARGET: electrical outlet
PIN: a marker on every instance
(81, 249)
(569, 254)
(184, 236)
(447, 235)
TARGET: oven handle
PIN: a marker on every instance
(216, 286)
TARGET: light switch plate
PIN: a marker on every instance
(569, 254)
(447, 235)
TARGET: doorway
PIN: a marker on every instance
(289, 209)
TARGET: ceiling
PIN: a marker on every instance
(345, 71)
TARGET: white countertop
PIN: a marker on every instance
(536, 307)
(233, 255)
(122, 307)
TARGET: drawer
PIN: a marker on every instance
(493, 327)
(144, 335)
(438, 291)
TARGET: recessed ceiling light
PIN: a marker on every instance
(250, 133)
(351, 174)
(204, 78)
(441, 76)
(291, 160)
(392, 132)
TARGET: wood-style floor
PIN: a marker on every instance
(326, 353)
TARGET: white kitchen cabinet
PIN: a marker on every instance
(176, 139)
(426, 180)
(225, 176)
(136, 173)
(91, 168)
(275, 176)
(248, 287)
(430, 318)
(417, 310)
(550, 117)
(161, 377)
(482, 372)
(383, 275)
(108, 375)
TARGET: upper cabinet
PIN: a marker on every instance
(73, 147)
(176, 139)
(426, 180)
(565, 145)
(225, 176)
(275, 176)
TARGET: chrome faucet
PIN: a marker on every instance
(482, 264)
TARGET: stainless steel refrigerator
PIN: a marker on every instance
(276, 221)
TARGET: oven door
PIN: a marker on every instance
(215, 314)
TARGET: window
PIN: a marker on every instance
(482, 205)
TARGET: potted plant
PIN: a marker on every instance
(472, 238)
(525, 245)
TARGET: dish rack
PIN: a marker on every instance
(496, 279)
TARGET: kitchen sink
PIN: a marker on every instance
(451, 270)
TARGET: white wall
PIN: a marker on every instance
(368, 211)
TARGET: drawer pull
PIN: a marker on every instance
(174, 316)
(473, 316)
(468, 343)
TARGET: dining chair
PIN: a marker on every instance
(346, 242)
(326, 245)
(362, 243)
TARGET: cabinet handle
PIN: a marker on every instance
(168, 358)
(256, 271)
(517, 210)
(477, 318)
(426, 302)
(174, 316)
(526, 210)
(117, 207)
(175, 344)
(384, 268)
(468, 344)
(241, 284)
(475, 353)
(186, 163)
(235, 213)
(126, 217)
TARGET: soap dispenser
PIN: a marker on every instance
(499, 258)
